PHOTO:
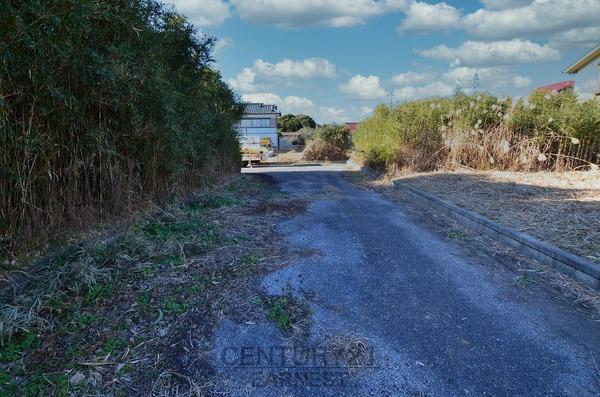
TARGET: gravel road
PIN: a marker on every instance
(428, 319)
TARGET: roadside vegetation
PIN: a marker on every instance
(562, 208)
(132, 311)
(293, 123)
(103, 105)
(547, 131)
(328, 143)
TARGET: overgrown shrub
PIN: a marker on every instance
(336, 135)
(292, 123)
(318, 149)
(329, 143)
(102, 104)
(306, 134)
(549, 131)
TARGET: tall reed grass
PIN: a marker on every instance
(549, 131)
(103, 104)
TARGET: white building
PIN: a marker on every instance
(258, 127)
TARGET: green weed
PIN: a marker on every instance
(174, 307)
(42, 384)
(212, 202)
(7, 387)
(144, 302)
(98, 291)
(175, 260)
(84, 320)
(247, 263)
(11, 349)
(113, 345)
(124, 370)
(524, 280)
(193, 290)
(169, 230)
(457, 234)
(279, 312)
(148, 272)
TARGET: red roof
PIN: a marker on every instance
(563, 85)
(352, 127)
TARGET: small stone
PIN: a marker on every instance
(77, 378)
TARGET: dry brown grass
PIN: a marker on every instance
(562, 208)
(145, 326)
(320, 150)
(291, 156)
(353, 351)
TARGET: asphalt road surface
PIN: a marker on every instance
(432, 321)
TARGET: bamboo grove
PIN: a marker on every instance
(103, 103)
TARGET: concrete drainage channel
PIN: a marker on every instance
(574, 266)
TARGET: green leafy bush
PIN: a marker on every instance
(329, 142)
(293, 123)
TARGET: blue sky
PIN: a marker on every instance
(337, 59)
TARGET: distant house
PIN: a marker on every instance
(258, 126)
(563, 86)
(352, 126)
(584, 61)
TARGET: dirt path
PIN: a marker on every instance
(397, 310)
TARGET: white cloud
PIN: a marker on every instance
(438, 88)
(566, 22)
(410, 78)
(288, 104)
(539, 18)
(205, 13)
(586, 89)
(245, 81)
(424, 17)
(578, 37)
(476, 53)
(223, 43)
(365, 111)
(331, 115)
(305, 69)
(504, 4)
(404, 93)
(489, 78)
(262, 75)
(465, 78)
(295, 14)
(363, 87)
(297, 104)
(521, 81)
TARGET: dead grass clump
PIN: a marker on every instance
(320, 150)
(351, 350)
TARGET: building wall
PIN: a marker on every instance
(251, 135)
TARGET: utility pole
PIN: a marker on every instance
(391, 95)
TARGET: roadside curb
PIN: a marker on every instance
(572, 265)
(353, 165)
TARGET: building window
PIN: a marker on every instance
(254, 123)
